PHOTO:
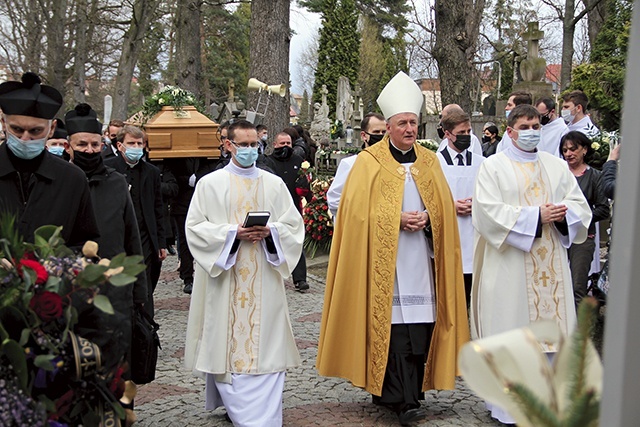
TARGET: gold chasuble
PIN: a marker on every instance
(356, 319)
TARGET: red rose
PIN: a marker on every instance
(330, 233)
(41, 273)
(47, 305)
(320, 228)
(324, 208)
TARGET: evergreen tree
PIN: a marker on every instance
(338, 50)
(602, 80)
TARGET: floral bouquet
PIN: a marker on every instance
(169, 96)
(601, 145)
(429, 144)
(49, 374)
(317, 220)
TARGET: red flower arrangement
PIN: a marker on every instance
(318, 223)
(45, 289)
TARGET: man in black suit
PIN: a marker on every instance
(145, 187)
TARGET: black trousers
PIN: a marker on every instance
(299, 274)
(580, 258)
(154, 265)
(186, 259)
(408, 350)
(468, 281)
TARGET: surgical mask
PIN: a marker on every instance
(506, 113)
(88, 162)
(462, 142)
(528, 139)
(284, 152)
(486, 139)
(56, 151)
(567, 116)
(246, 156)
(545, 119)
(264, 137)
(133, 154)
(25, 150)
(374, 138)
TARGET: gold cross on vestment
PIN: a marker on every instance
(536, 189)
(243, 299)
(544, 278)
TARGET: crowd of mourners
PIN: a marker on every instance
(509, 222)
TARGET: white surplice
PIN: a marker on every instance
(335, 190)
(518, 278)
(238, 318)
(461, 180)
(414, 299)
(586, 126)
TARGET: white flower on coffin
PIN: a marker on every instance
(305, 165)
(160, 101)
(496, 367)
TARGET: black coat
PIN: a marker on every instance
(289, 171)
(57, 194)
(589, 183)
(182, 169)
(150, 198)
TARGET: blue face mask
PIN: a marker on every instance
(56, 151)
(133, 154)
(528, 139)
(506, 113)
(246, 156)
(26, 150)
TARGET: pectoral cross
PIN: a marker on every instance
(544, 278)
(243, 299)
(536, 189)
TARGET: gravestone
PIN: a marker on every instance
(320, 129)
(533, 68)
(343, 100)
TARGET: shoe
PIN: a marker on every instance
(188, 287)
(302, 286)
(411, 416)
(171, 250)
(227, 417)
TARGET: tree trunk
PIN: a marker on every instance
(457, 27)
(188, 59)
(596, 17)
(143, 13)
(79, 78)
(568, 30)
(269, 58)
(56, 46)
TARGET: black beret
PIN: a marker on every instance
(61, 131)
(29, 98)
(82, 119)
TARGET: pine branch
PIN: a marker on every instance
(583, 411)
(538, 412)
(580, 355)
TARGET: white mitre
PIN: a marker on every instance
(400, 95)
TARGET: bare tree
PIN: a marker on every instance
(269, 56)
(142, 13)
(457, 24)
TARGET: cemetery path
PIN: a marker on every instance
(176, 397)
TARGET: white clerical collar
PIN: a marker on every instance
(250, 172)
(402, 151)
(518, 155)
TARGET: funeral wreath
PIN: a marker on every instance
(50, 375)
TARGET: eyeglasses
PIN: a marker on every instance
(245, 144)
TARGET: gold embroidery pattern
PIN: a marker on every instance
(387, 223)
(245, 282)
(543, 265)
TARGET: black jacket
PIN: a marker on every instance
(182, 169)
(149, 203)
(55, 193)
(608, 178)
(289, 171)
(589, 183)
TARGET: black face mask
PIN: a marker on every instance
(486, 139)
(90, 163)
(114, 141)
(462, 142)
(283, 153)
(544, 120)
(440, 131)
(374, 138)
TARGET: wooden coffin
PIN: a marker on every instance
(185, 133)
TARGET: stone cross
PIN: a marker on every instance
(533, 36)
(324, 93)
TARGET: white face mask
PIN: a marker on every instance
(567, 116)
(528, 139)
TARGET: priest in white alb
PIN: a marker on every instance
(527, 209)
(239, 335)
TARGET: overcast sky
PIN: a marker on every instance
(305, 25)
